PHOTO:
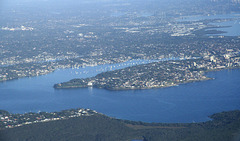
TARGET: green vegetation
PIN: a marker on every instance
(47, 36)
(223, 127)
(3, 112)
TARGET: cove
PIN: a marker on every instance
(192, 102)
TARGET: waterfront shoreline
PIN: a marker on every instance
(124, 89)
(147, 76)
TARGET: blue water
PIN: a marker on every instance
(233, 25)
(233, 30)
(192, 102)
(203, 17)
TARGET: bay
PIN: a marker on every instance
(231, 26)
(192, 102)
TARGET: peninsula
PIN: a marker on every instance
(155, 75)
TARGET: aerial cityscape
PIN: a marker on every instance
(119, 62)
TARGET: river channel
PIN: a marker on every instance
(192, 102)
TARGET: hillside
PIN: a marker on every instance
(223, 127)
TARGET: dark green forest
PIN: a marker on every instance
(223, 127)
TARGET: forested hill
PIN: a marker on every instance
(224, 127)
